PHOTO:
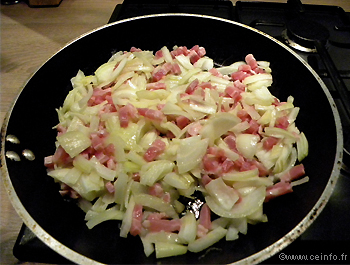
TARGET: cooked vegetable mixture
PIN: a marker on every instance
(142, 137)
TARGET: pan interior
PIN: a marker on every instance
(34, 115)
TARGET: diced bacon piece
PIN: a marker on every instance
(245, 68)
(61, 157)
(166, 197)
(253, 128)
(136, 177)
(244, 71)
(247, 165)
(110, 187)
(239, 85)
(175, 69)
(227, 165)
(48, 161)
(61, 129)
(88, 152)
(132, 111)
(136, 223)
(250, 60)
(155, 86)
(282, 122)
(215, 72)
(201, 231)
(234, 93)
(67, 191)
(97, 142)
(134, 49)
(211, 163)
(156, 216)
(110, 100)
(205, 216)
(109, 150)
(239, 75)
(194, 57)
(169, 135)
(167, 67)
(194, 128)
(276, 102)
(269, 142)
(73, 194)
(180, 50)
(124, 117)
(243, 115)
(164, 225)
(217, 152)
(156, 190)
(278, 189)
(199, 50)
(160, 106)
(151, 114)
(230, 140)
(101, 157)
(258, 70)
(207, 85)
(192, 86)
(206, 179)
(99, 95)
(156, 149)
(142, 111)
(158, 54)
(111, 164)
(239, 163)
(158, 75)
(182, 121)
(294, 173)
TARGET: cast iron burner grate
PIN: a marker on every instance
(303, 27)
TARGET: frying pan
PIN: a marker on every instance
(60, 224)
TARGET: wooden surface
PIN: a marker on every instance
(29, 36)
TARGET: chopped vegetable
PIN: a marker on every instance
(148, 132)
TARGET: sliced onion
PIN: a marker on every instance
(247, 144)
(246, 206)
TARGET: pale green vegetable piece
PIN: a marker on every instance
(302, 147)
(224, 195)
(247, 144)
(188, 230)
(110, 214)
(188, 157)
(247, 206)
(204, 242)
(218, 124)
(154, 171)
(74, 142)
(156, 204)
(164, 250)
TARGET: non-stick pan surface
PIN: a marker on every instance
(60, 224)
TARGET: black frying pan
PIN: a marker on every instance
(61, 225)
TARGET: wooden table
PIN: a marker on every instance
(29, 36)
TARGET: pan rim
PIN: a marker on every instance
(252, 259)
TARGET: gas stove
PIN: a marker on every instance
(326, 48)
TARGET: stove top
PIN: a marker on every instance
(330, 234)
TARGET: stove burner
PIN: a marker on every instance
(301, 34)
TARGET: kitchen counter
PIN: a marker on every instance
(29, 36)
